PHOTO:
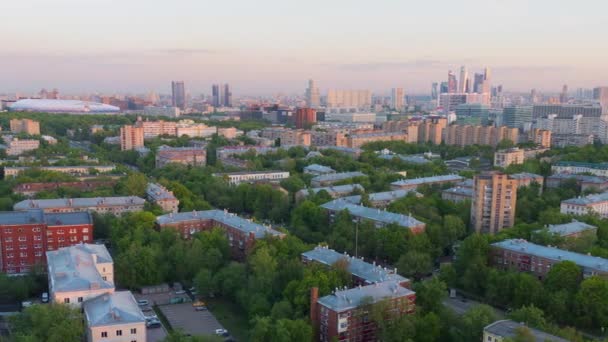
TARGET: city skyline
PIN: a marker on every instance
(264, 49)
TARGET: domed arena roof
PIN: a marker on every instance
(62, 106)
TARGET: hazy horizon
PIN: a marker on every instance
(271, 46)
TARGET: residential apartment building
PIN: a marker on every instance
(507, 330)
(344, 314)
(349, 98)
(333, 191)
(590, 204)
(82, 276)
(26, 126)
(31, 189)
(228, 132)
(511, 156)
(25, 236)
(162, 197)
(574, 229)
(380, 218)
(493, 203)
(113, 205)
(332, 178)
(242, 233)
(540, 137)
(305, 117)
(354, 152)
(194, 130)
(171, 112)
(236, 178)
(131, 137)
(523, 256)
(526, 179)
(479, 135)
(570, 167)
(80, 170)
(328, 138)
(382, 199)
(153, 129)
(193, 156)
(414, 183)
(15, 146)
(431, 130)
(457, 194)
(358, 140)
(317, 170)
(585, 182)
(563, 140)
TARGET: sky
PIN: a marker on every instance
(263, 47)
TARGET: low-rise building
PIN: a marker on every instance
(351, 152)
(526, 178)
(380, 218)
(30, 189)
(114, 317)
(596, 169)
(414, 183)
(236, 178)
(332, 178)
(194, 130)
(358, 140)
(572, 229)
(242, 233)
(317, 170)
(507, 330)
(382, 199)
(161, 196)
(113, 205)
(15, 146)
(523, 256)
(171, 112)
(511, 156)
(585, 182)
(591, 204)
(457, 194)
(333, 191)
(26, 235)
(26, 126)
(77, 170)
(194, 156)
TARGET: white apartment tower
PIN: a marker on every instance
(313, 99)
(397, 99)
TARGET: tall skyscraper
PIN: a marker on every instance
(178, 98)
(463, 82)
(601, 95)
(397, 99)
(493, 204)
(444, 88)
(516, 116)
(227, 95)
(434, 91)
(313, 98)
(478, 83)
(486, 87)
(563, 96)
(452, 83)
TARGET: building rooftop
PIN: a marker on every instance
(68, 219)
(21, 217)
(338, 176)
(601, 166)
(112, 308)
(223, 217)
(343, 300)
(581, 178)
(336, 189)
(371, 273)
(424, 180)
(79, 202)
(467, 183)
(587, 200)
(372, 214)
(457, 190)
(159, 192)
(508, 329)
(524, 175)
(319, 168)
(413, 159)
(383, 196)
(73, 268)
(583, 260)
(573, 227)
(165, 148)
(341, 149)
(249, 173)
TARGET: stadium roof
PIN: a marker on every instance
(63, 106)
(371, 273)
(223, 217)
(112, 308)
(583, 260)
(343, 300)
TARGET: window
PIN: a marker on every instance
(8, 230)
(104, 334)
(37, 237)
(85, 230)
(22, 238)
(36, 230)
(79, 299)
(118, 332)
(66, 300)
(85, 238)
(133, 331)
(38, 254)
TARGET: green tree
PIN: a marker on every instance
(415, 264)
(134, 184)
(592, 303)
(565, 275)
(51, 322)
(430, 295)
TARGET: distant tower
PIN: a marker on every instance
(487, 79)
(444, 88)
(463, 85)
(397, 98)
(452, 83)
(434, 91)
(563, 97)
(313, 99)
(178, 98)
(227, 95)
(600, 94)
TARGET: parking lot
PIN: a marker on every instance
(184, 317)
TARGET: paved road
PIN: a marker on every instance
(184, 317)
(156, 334)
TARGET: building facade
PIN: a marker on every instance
(493, 203)
(162, 197)
(236, 178)
(193, 156)
(26, 126)
(131, 137)
(112, 205)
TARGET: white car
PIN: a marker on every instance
(180, 292)
(143, 302)
(221, 332)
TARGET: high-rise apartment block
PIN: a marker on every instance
(313, 98)
(397, 99)
(493, 203)
(305, 117)
(131, 137)
(601, 95)
(464, 84)
(349, 98)
(178, 93)
(431, 130)
(26, 126)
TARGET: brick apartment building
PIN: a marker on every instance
(332, 178)
(26, 126)
(131, 137)
(102, 205)
(523, 256)
(493, 202)
(12, 171)
(194, 156)
(25, 236)
(241, 233)
(161, 196)
(30, 189)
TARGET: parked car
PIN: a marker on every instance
(154, 323)
(143, 302)
(200, 308)
(198, 303)
(180, 292)
(146, 309)
(221, 332)
(151, 318)
(26, 304)
(45, 297)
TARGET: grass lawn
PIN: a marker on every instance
(231, 316)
